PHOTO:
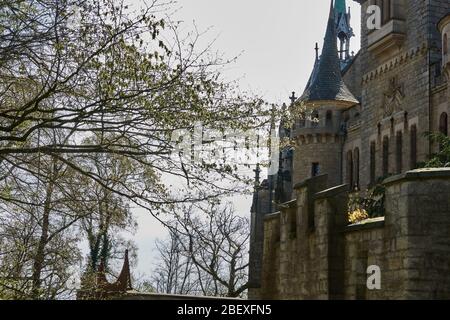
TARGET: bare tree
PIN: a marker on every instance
(175, 272)
(213, 242)
(38, 232)
(90, 96)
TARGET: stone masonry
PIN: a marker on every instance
(368, 123)
(310, 251)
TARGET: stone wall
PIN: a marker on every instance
(411, 64)
(310, 251)
(324, 149)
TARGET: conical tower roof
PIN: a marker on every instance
(326, 84)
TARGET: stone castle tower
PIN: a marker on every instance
(369, 113)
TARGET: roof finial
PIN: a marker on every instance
(293, 98)
(317, 51)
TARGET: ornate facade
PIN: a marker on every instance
(370, 112)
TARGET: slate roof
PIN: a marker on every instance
(326, 84)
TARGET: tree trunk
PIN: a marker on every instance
(39, 258)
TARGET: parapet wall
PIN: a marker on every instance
(310, 251)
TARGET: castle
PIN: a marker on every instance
(370, 113)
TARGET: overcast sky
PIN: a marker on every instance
(275, 40)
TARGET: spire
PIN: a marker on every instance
(124, 280)
(326, 84)
(340, 6)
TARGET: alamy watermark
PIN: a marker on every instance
(375, 18)
(230, 146)
(374, 278)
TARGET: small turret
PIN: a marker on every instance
(326, 84)
(344, 31)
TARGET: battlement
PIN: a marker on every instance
(312, 252)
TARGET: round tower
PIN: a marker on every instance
(319, 135)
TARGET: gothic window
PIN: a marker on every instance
(329, 118)
(315, 119)
(385, 156)
(315, 169)
(445, 44)
(443, 124)
(413, 147)
(301, 120)
(293, 216)
(372, 163)
(350, 169)
(356, 172)
(399, 152)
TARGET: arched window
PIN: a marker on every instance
(443, 124)
(356, 172)
(329, 118)
(445, 44)
(301, 121)
(385, 156)
(350, 169)
(399, 152)
(315, 169)
(315, 119)
(413, 147)
(372, 163)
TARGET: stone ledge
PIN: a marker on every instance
(368, 224)
(289, 204)
(134, 295)
(332, 192)
(306, 182)
(394, 63)
(272, 216)
(420, 174)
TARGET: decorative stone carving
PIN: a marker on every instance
(393, 98)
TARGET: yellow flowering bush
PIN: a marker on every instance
(357, 215)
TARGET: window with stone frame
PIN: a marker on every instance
(293, 223)
(315, 169)
(329, 118)
(445, 44)
(350, 169)
(315, 119)
(356, 171)
(413, 147)
(385, 156)
(399, 152)
(373, 165)
(443, 123)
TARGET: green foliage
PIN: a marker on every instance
(441, 159)
(372, 203)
